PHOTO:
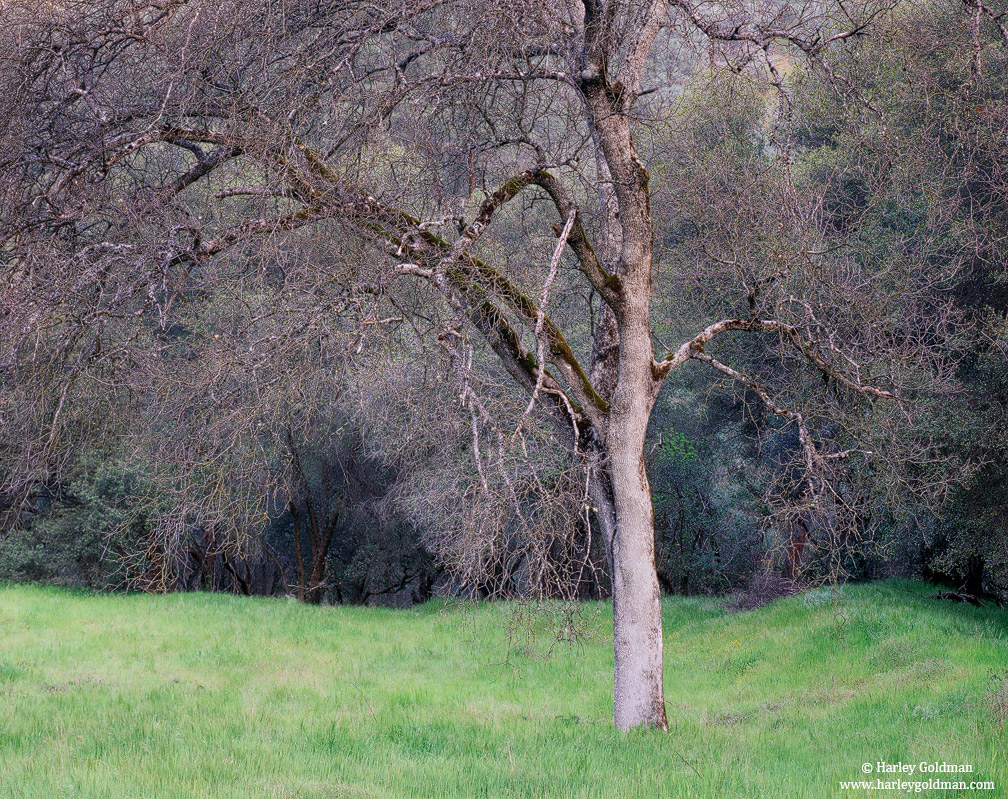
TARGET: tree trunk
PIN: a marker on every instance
(637, 631)
(315, 590)
(622, 501)
(301, 584)
(974, 582)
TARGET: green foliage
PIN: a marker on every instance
(674, 447)
(80, 536)
(199, 695)
(920, 178)
(707, 539)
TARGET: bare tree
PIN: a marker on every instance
(401, 166)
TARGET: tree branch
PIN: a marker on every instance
(694, 348)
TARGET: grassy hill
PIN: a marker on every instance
(196, 695)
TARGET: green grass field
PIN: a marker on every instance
(196, 695)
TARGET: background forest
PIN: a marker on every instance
(256, 447)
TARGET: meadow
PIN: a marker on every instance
(209, 695)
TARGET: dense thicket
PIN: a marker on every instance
(907, 167)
